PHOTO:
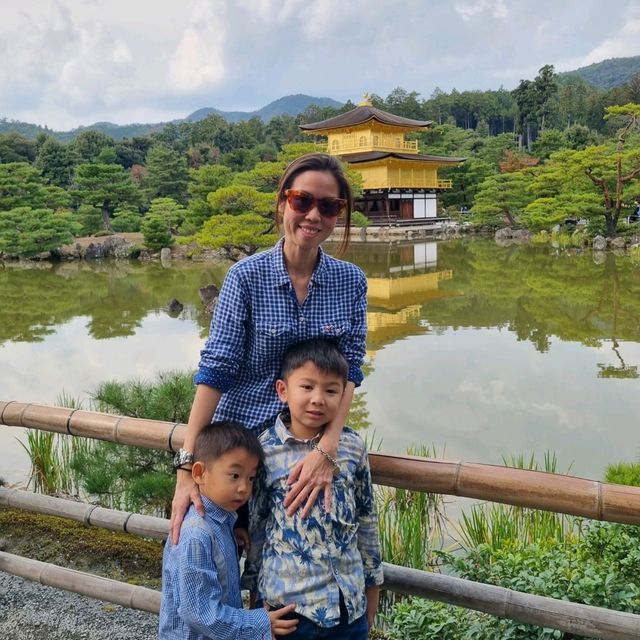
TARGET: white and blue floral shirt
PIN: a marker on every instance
(258, 316)
(309, 561)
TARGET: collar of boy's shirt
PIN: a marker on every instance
(280, 269)
(282, 431)
(217, 513)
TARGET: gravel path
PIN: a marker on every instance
(31, 611)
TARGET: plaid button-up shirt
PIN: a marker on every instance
(258, 316)
(201, 583)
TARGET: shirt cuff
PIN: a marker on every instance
(259, 627)
(374, 578)
(214, 378)
(355, 375)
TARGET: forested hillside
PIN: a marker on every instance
(546, 152)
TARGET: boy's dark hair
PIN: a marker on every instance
(220, 437)
(324, 354)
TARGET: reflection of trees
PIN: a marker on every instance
(623, 370)
(539, 296)
(115, 296)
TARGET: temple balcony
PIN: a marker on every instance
(367, 144)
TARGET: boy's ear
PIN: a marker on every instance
(197, 472)
(281, 390)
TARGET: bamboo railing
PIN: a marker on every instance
(570, 617)
(534, 489)
(87, 584)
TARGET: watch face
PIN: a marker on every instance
(182, 457)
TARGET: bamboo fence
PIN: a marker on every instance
(570, 617)
(534, 489)
(87, 584)
(88, 514)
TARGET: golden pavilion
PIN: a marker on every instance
(398, 182)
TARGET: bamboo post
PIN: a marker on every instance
(86, 584)
(90, 514)
(580, 619)
(534, 489)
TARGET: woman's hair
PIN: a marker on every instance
(319, 162)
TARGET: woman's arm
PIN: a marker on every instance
(204, 406)
(314, 473)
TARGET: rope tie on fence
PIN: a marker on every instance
(600, 502)
(87, 515)
(23, 411)
(5, 408)
(457, 478)
(171, 437)
(126, 520)
(69, 421)
(115, 429)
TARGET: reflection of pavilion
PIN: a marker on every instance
(395, 298)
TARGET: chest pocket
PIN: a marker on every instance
(334, 330)
(271, 339)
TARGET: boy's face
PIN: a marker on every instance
(313, 397)
(228, 480)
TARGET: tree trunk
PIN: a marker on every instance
(106, 219)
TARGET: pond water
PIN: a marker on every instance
(479, 350)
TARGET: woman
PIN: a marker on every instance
(269, 301)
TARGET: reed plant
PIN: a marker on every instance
(52, 454)
(500, 526)
(410, 523)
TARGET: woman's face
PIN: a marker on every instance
(309, 230)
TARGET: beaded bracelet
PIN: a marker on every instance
(331, 459)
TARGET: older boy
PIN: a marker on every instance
(328, 563)
(200, 575)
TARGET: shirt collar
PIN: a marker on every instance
(285, 435)
(213, 511)
(280, 268)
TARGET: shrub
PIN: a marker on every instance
(358, 219)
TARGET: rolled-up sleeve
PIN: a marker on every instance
(219, 359)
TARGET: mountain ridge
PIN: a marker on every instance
(603, 75)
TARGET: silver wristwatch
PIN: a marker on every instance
(182, 457)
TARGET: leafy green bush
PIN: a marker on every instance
(156, 232)
(418, 619)
(623, 473)
(135, 478)
(358, 219)
(126, 221)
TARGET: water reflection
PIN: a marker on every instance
(481, 349)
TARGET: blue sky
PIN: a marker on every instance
(66, 63)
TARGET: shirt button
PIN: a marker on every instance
(273, 330)
(301, 318)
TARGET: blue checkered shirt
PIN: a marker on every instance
(201, 583)
(311, 560)
(258, 316)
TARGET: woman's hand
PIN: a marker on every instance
(186, 493)
(310, 476)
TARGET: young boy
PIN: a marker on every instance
(327, 563)
(200, 575)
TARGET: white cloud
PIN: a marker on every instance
(623, 44)
(198, 60)
(470, 9)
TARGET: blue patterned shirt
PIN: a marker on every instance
(201, 583)
(258, 316)
(309, 561)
